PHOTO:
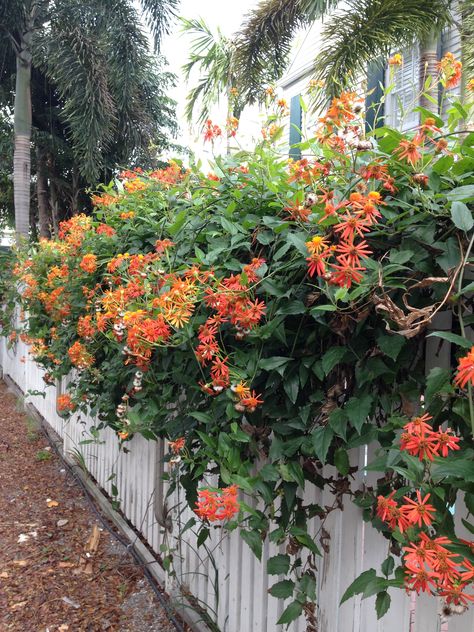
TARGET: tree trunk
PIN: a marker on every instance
(467, 57)
(22, 126)
(429, 73)
(44, 215)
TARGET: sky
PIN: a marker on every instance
(175, 47)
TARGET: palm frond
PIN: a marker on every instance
(370, 28)
(210, 55)
(263, 44)
(158, 15)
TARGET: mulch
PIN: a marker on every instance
(60, 571)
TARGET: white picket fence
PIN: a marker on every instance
(237, 599)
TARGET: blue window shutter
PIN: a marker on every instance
(375, 80)
(295, 127)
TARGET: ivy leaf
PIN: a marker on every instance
(322, 438)
(278, 564)
(359, 584)
(450, 337)
(253, 539)
(283, 589)
(332, 357)
(358, 409)
(382, 603)
(292, 612)
(461, 216)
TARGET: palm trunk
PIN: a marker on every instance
(428, 74)
(467, 57)
(22, 126)
(44, 216)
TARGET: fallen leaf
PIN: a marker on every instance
(19, 604)
(20, 562)
(23, 537)
(66, 564)
(62, 523)
(52, 503)
(4, 575)
(63, 628)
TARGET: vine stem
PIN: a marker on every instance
(463, 329)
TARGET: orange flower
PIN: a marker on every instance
(409, 149)
(177, 445)
(470, 85)
(450, 71)
(129, 215)
(79, 356)
(418, 512)
(217, 505)
(89, 263)
(465, 370)
(64, 404)
(395, 60)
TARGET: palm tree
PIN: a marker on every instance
(92, 51)
(211, 54)
(356, 33)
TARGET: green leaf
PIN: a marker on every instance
(283, 589)
(291, 385)
(332, 357)
(341, 461)
(298, 241)
(173, 228)
(202, 536)
(461, 194)
(359, 584)
(268, 364)
(321, 439)
(291, 612)
(455, 467)
(278, 564)
(450, 337)
(391, 345)
(374, 586)
(388, 565)
(382, 603)
(254, 540)
(461, 216)
(358, 409)
(437, 382)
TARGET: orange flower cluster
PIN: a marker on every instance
(172, 174)
(89, 263)
(132, 186)
(232, 126)
(64, 404)
(432, 567)
(307, 172)
(105, 199)
(450, 70)
(340, 112)
(211, 131)
(73, 230)
(360, 213)
(232, 304)
(419, 439)
(217, 505)
(413, 513)
(465, 372)
(105, 229)
(79, 356)
(247, 400)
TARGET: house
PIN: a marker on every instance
(396, 110)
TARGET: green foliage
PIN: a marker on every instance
(337, 365)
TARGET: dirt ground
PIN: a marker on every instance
(60, 570)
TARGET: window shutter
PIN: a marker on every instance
(374, 108)
(295, 127)
(404, 95)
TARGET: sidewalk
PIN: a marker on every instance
(60, 570)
